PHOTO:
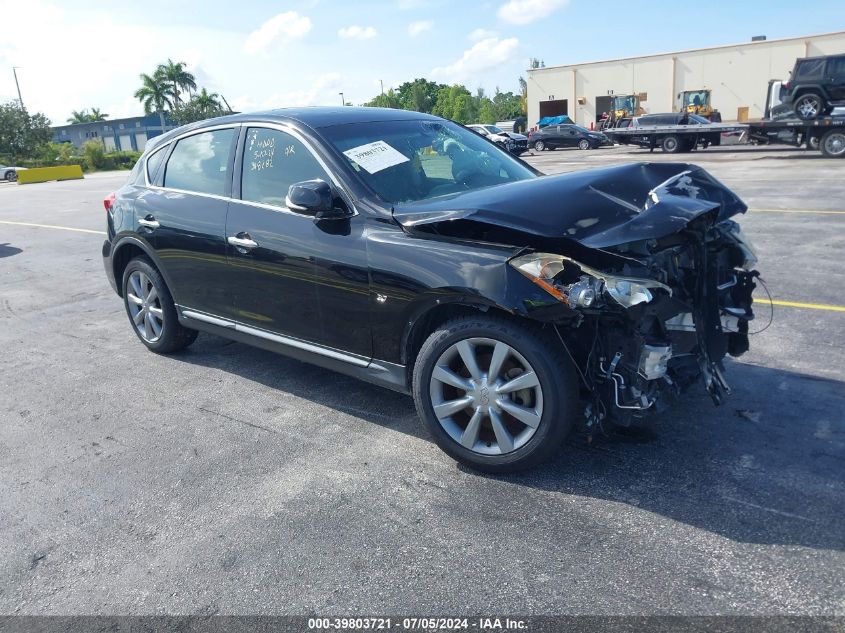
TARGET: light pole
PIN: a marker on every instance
(382, 86)
(342, 100)
(15, 73)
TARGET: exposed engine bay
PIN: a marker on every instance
(651, 282)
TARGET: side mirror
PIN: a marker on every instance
(314, 197)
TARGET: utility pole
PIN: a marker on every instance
(382, 87)
(342, 100)
(15, 73)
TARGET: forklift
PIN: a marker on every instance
(699, 102)
(623, 106)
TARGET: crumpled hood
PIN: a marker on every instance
(596, 207)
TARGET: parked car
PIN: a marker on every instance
(567, 135)
(405, 250)
(816, 86)
(513, 142)
(9, 173)
(669, 118)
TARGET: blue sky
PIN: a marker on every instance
(260, 54)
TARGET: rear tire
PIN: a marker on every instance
(151, 311)
(11, 175)
(809, 106)
(832, 144)
(671, 144)
(502, 426)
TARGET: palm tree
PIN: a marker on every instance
(175, 73)
(79, 116)
(156, 94)
(207, 102)
(96, 115)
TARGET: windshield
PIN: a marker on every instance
(493, 129)
(695, 98)
(583, 130)
(694, 118)
(408, 161)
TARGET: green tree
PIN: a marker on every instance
(79, 116)
(456, 103)
(178, 78)
(22, 135)
(96, 115)
(419, 95)
(156, 95)
(487, 111)
(201, 106)
(387, 100)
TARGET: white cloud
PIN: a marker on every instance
(527, 11)
(356, 32)
(322, 91)
(409, 5)
(417, 28)
(481, 34)
(483, 56)
(288, 25)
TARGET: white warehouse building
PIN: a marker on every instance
(737, 76)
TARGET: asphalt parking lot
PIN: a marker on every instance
(226, 479)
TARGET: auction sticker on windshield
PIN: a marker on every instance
(376, 156)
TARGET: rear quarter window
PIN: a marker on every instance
(809, 68)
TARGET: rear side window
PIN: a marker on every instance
(273, 161)
(809, 68)
(200, 163)
(153, 163)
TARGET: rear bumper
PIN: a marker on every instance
(109, 266)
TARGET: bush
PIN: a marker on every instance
(93, 155)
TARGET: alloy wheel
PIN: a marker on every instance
(808, 107)
(144, 306)
(584, 144)
(834, 144)
(486, 396)
(539, 146)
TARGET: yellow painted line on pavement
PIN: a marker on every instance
(807, 306)
(777, 302)
(807, 212)
(52, 226)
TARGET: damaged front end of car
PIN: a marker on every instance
(648, 291)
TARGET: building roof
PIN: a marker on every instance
(690, 50)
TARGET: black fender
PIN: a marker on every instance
(133, 239)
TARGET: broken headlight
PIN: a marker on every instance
(749, 255)
(580, 286)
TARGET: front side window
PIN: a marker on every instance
(408, 161)
(274, 160)
(200, 163)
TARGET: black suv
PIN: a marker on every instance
(816, 86)
(408, 251)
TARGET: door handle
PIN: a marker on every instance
(242, 242)
(150, 222)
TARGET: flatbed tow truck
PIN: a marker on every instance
(826, 133)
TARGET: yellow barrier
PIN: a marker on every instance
(45, 174)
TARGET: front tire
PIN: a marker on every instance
(151, 310)
(539, 146)
(11, 175)
(809, 106)
(583, 144)
(495, 395)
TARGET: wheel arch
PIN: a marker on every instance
(128, 248)
(430, 315)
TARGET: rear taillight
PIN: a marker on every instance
(109, 201)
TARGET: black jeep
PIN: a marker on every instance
(817, 86)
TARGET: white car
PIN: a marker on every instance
(511, 141)
(10, 173)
